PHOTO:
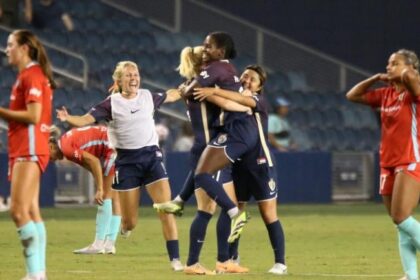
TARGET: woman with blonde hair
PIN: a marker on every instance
(139, 163)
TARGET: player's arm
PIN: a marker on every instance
(411, 80)
(93, 164)
(31, 116)
(203, 93)
(228, 105)
(77, 121)
(172, 95)
(357, 93)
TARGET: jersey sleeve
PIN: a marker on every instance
(102, 111)
(210, 75)
(158, 98)
(261, 105)
(33, 86)
(374, 97)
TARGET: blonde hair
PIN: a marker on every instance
(190, 61)
(410, 58)
(118, 72)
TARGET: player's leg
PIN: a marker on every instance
(23, 191)
(159, 191)
(114, 225)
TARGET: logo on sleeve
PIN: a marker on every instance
(204, 74)
(36, 92)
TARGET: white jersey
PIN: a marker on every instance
(130, 121)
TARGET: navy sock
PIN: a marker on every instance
(197, 235)
(214, 190)
(233, 249)
(172, 246)
(188, 188)
(275, 231)
(223, 231)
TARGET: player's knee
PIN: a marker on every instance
(17, 214)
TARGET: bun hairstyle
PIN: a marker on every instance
(410, 58)
(224, 40)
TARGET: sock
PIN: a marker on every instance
(42, 237)
(197, 235)
(275, 232)
(113, 228)
(172, 246)
(187, 189)
(223, 231)
(29, 238)
(412, 227)
(407, 255)
(215, 191)
(103, 219)
(233, 249)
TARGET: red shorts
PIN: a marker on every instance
(387, 177)
(42, 161)
(108, 164)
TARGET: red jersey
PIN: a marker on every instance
(400, 123)
(30, 140)
(91, 139)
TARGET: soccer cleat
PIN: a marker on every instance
(125, 233)
(197, 269)
(109, 247)
(230, 267)
(172, 207)
(237, 260)
(32, 277)
(279, 269)
(177, 265)
(237, 225)
(90, 250)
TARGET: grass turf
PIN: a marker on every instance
(346, 241)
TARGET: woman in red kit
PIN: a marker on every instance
(29, 118)
(399, 102)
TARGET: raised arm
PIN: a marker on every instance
(411, 80)
(76, 121)
(356, 93)
(93, 164)
(203, 93)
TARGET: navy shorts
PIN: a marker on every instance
(254, 180)
(136, 168)
(222, 176)
(238, 138)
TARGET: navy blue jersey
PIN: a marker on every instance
(221, 74)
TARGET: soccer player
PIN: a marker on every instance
(29, 117)
(255, 174)
(90, 148)
(202, 116)
(399, 152)
(131, 126)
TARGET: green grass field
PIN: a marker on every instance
(348, 241)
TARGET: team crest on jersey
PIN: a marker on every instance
(272, 184)
(221, 139)
(204, 74)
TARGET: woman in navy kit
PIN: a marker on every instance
(255, 174)
(217, 71)
(202, 116)
(129, 113)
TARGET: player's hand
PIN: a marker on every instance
(62, 114)
(201, 94)
(99, 197)
(384, 77)
(246, 92)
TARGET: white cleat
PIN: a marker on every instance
(125, 233)
(109, 247)
(177, 265)
(90, 250)
(279, 269)
(32, 277)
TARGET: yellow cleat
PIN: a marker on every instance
(237, 225)
(230, 267)
(197, 269)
